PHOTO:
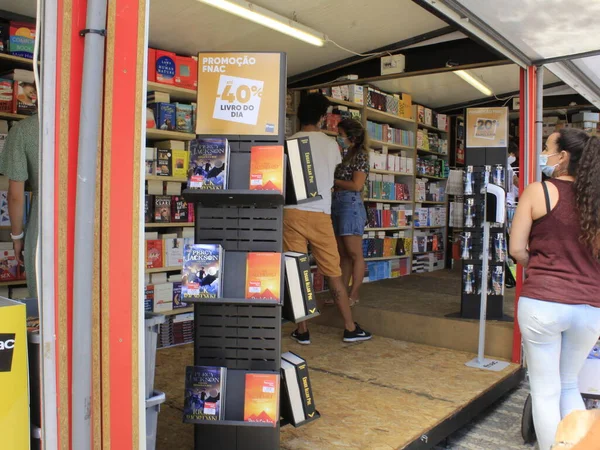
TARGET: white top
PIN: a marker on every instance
(326, 156)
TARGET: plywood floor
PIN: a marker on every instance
(376, 395)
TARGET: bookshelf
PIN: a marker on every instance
(431, 128)
(161, 178)
(337, 101)
(157, 135)
(381, 200)
(389, 172)
(14, 283)
(389, 118)
(11, 116)
(374, 143)
(176, 93)
(388, 229)
(170, 225)
(429, 152)
(164, 269)
(387, 258)
(430, 177)
(174, 312)
(15, 62)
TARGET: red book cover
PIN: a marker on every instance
(191, 212)
(266, 168)
(332, 122)
(9, 266)
(154, 254)
(385, 130)
(165, 67)
(186, 72)
(261, 398)
(151, 64)
(263, 276)
(399, 192)
(7, 97)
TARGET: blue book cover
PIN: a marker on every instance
(204, 397)
(209, 163)
(165, 116)
(201, 273)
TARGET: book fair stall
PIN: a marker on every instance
(166, 156)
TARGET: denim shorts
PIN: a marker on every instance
(348, 213)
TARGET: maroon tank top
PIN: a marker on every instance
(561, 269)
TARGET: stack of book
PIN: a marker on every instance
(432, 167)
(384, 187)
(386, 133)
(383, 215)
(397, 104)
(399, 162)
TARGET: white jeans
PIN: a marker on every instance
(557, 339)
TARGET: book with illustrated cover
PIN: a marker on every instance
(179, 163)
(201, 275)
(164, 162)
(173, 252)
(204, 397)
(266, 168)
(263, 276)
(162, 209)
(154, 253)
(148, 209)
(177, 302)
(180, 209)
(208, 163)
(261, 398)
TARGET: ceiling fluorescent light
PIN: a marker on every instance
(474, 82)
(269, 19)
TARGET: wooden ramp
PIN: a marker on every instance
(382, 394)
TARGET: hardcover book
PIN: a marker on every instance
(179, 209)
(303, 381)
(263, 276)
(301, 182)
(184, 118)
(208, 163)
(154, 253)
(292, 407)
(149, 298)
(267, 168)
(164, 115)
(201, 275)
(261, 398)
(308, 168)
(300, 299)
(204, 397)
(164, 162)
(162, 209)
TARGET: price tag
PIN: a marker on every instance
(238, 99)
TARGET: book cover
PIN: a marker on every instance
(177, 301)
(261, 398)
(149, 297)
(173, 252)
(179, 208)
(154, 253)
(162, 209)
(164, 162)
(204, 397)
(291, 398)
(9, 266)
(187, 72)
(7, 95)
(295, 188)
(208, 163)
(310, 301)
(21, 39)
(165, 116)
(163, 297)
(201, 271)
(148, 209)
(420, 114)
(266, 168)
(303, 382)
(165, 66)
(263, 276)
(179, 163)
(184, 118)
(308, 168)
(25, 94)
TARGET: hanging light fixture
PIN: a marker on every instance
(473, 81)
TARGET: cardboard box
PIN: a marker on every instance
(166, 67)
(586, 116)
(14, 380)
(151, 64)
(186, 72)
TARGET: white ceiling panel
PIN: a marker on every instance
(445, 89)
(188, 26)
(543, 28)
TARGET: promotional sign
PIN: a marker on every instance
(14, 387)
(238, 93)
(487, 127)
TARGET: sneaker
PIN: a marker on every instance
(357, 335)
(301, 338)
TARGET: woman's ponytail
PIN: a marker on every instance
(587, 190)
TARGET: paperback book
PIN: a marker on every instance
(154, 253)
(261, 398)
(263, 276)
(164, 162)
(201, 275)
(266, 168)
(162, 209)
(208, 163)
(204, 397)
(180, 209)
(180, 163)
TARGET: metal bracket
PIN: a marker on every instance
(102, 33)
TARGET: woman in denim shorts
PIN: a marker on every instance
(347, 208)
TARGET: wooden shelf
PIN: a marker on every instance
(16, 60)
(430, 227)
(189, 309)
(11, 116)
(176, 92)
(431, 203)
(159, 178)
(164, 269)
(431, 177)
(389, 228)
(337, 101)
(386, 258)
(389, 118)
(170, 225)
(390, 145)
(429, 127)
(429, 152)
(154, 134)
(389, 172)
(380, 200)
(14, 283)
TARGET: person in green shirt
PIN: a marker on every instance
(19, 161)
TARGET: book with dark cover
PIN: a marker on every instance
(164, 162)
(177, 303)
(149, 209)
(201, 273)
(204, 393)
(149, 297)
(261, 398)
(162, 209)
(300, 299)
(179, 209)
(165, 115)
(295, 187)
(209, 163)
(308, 168)
(303, 382)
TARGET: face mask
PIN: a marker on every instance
(342, 143)
(511, 159)
(546, 169)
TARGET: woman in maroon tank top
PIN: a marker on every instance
(556, 237)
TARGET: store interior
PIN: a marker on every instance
(409, 387)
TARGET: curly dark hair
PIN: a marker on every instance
(312, 107)
(584, 165)
(357, 135)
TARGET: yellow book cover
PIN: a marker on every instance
(266, 168)
(180, 163)
(261, 398)
(407, 100)
(263, 276)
